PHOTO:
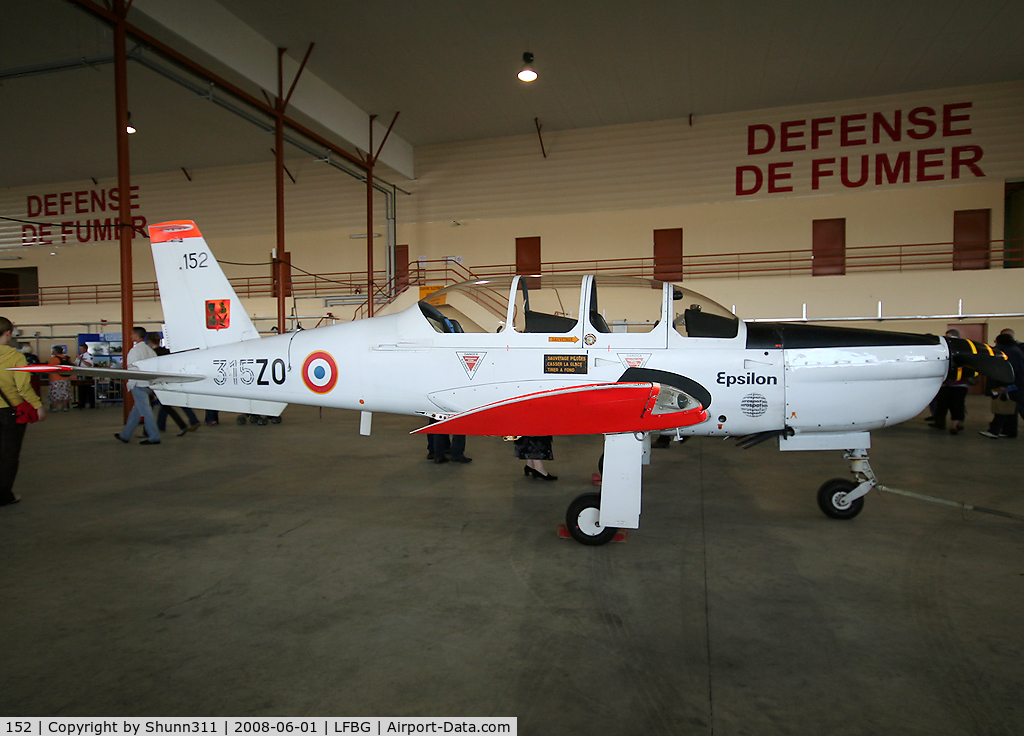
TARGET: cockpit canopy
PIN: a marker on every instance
(554, 304)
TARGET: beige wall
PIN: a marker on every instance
(922, 215)
(600, 194)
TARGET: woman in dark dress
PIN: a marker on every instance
(535, 450)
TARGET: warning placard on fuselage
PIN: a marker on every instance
(565, 363)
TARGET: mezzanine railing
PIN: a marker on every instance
(996, 254)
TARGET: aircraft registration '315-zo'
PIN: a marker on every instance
(534, 355)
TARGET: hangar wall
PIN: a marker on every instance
(895, 167)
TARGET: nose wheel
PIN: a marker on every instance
(582, 521)
(842, 498)
(833, 499)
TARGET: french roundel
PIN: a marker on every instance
(320, 372)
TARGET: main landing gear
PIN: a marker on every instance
(595, 518)
(841, 498)
(582, 517)
(582, 521)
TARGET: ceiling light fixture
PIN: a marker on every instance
(527, 74)
(130, 129)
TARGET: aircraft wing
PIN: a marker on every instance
(600, 408)
(117, 373)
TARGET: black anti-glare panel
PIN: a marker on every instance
(761, 335)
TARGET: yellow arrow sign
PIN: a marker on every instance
(563, 339)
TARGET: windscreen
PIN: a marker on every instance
(695, 315)
(472, 306)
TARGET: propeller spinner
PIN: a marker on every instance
(978, 356)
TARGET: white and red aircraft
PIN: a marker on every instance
(534, 355)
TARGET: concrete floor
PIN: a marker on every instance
(301, 569)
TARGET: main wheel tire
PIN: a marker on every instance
(582, 521)
(832, 499)
(241, 419)
(275, 420)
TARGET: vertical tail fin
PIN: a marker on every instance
(201, 310)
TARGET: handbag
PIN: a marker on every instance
(24, 413)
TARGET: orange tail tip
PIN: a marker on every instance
(174, 230)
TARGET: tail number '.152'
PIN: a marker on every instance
(245, 371)
(194, 260)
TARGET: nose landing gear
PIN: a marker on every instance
(841, 498)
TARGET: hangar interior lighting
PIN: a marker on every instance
(130, 129)
(527, 74)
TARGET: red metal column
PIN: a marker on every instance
(280, 106)
(279, 184)
(123, 180)
(370, 161)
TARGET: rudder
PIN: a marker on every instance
(201, 310)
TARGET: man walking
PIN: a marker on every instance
(141, 392)
(153, 340)
(87, 385)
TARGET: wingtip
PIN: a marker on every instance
(42, 368)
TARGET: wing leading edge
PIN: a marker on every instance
(127, 375)
(600, 408)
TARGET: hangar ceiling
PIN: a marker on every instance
(449, 68)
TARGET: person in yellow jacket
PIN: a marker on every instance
(15, 388)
